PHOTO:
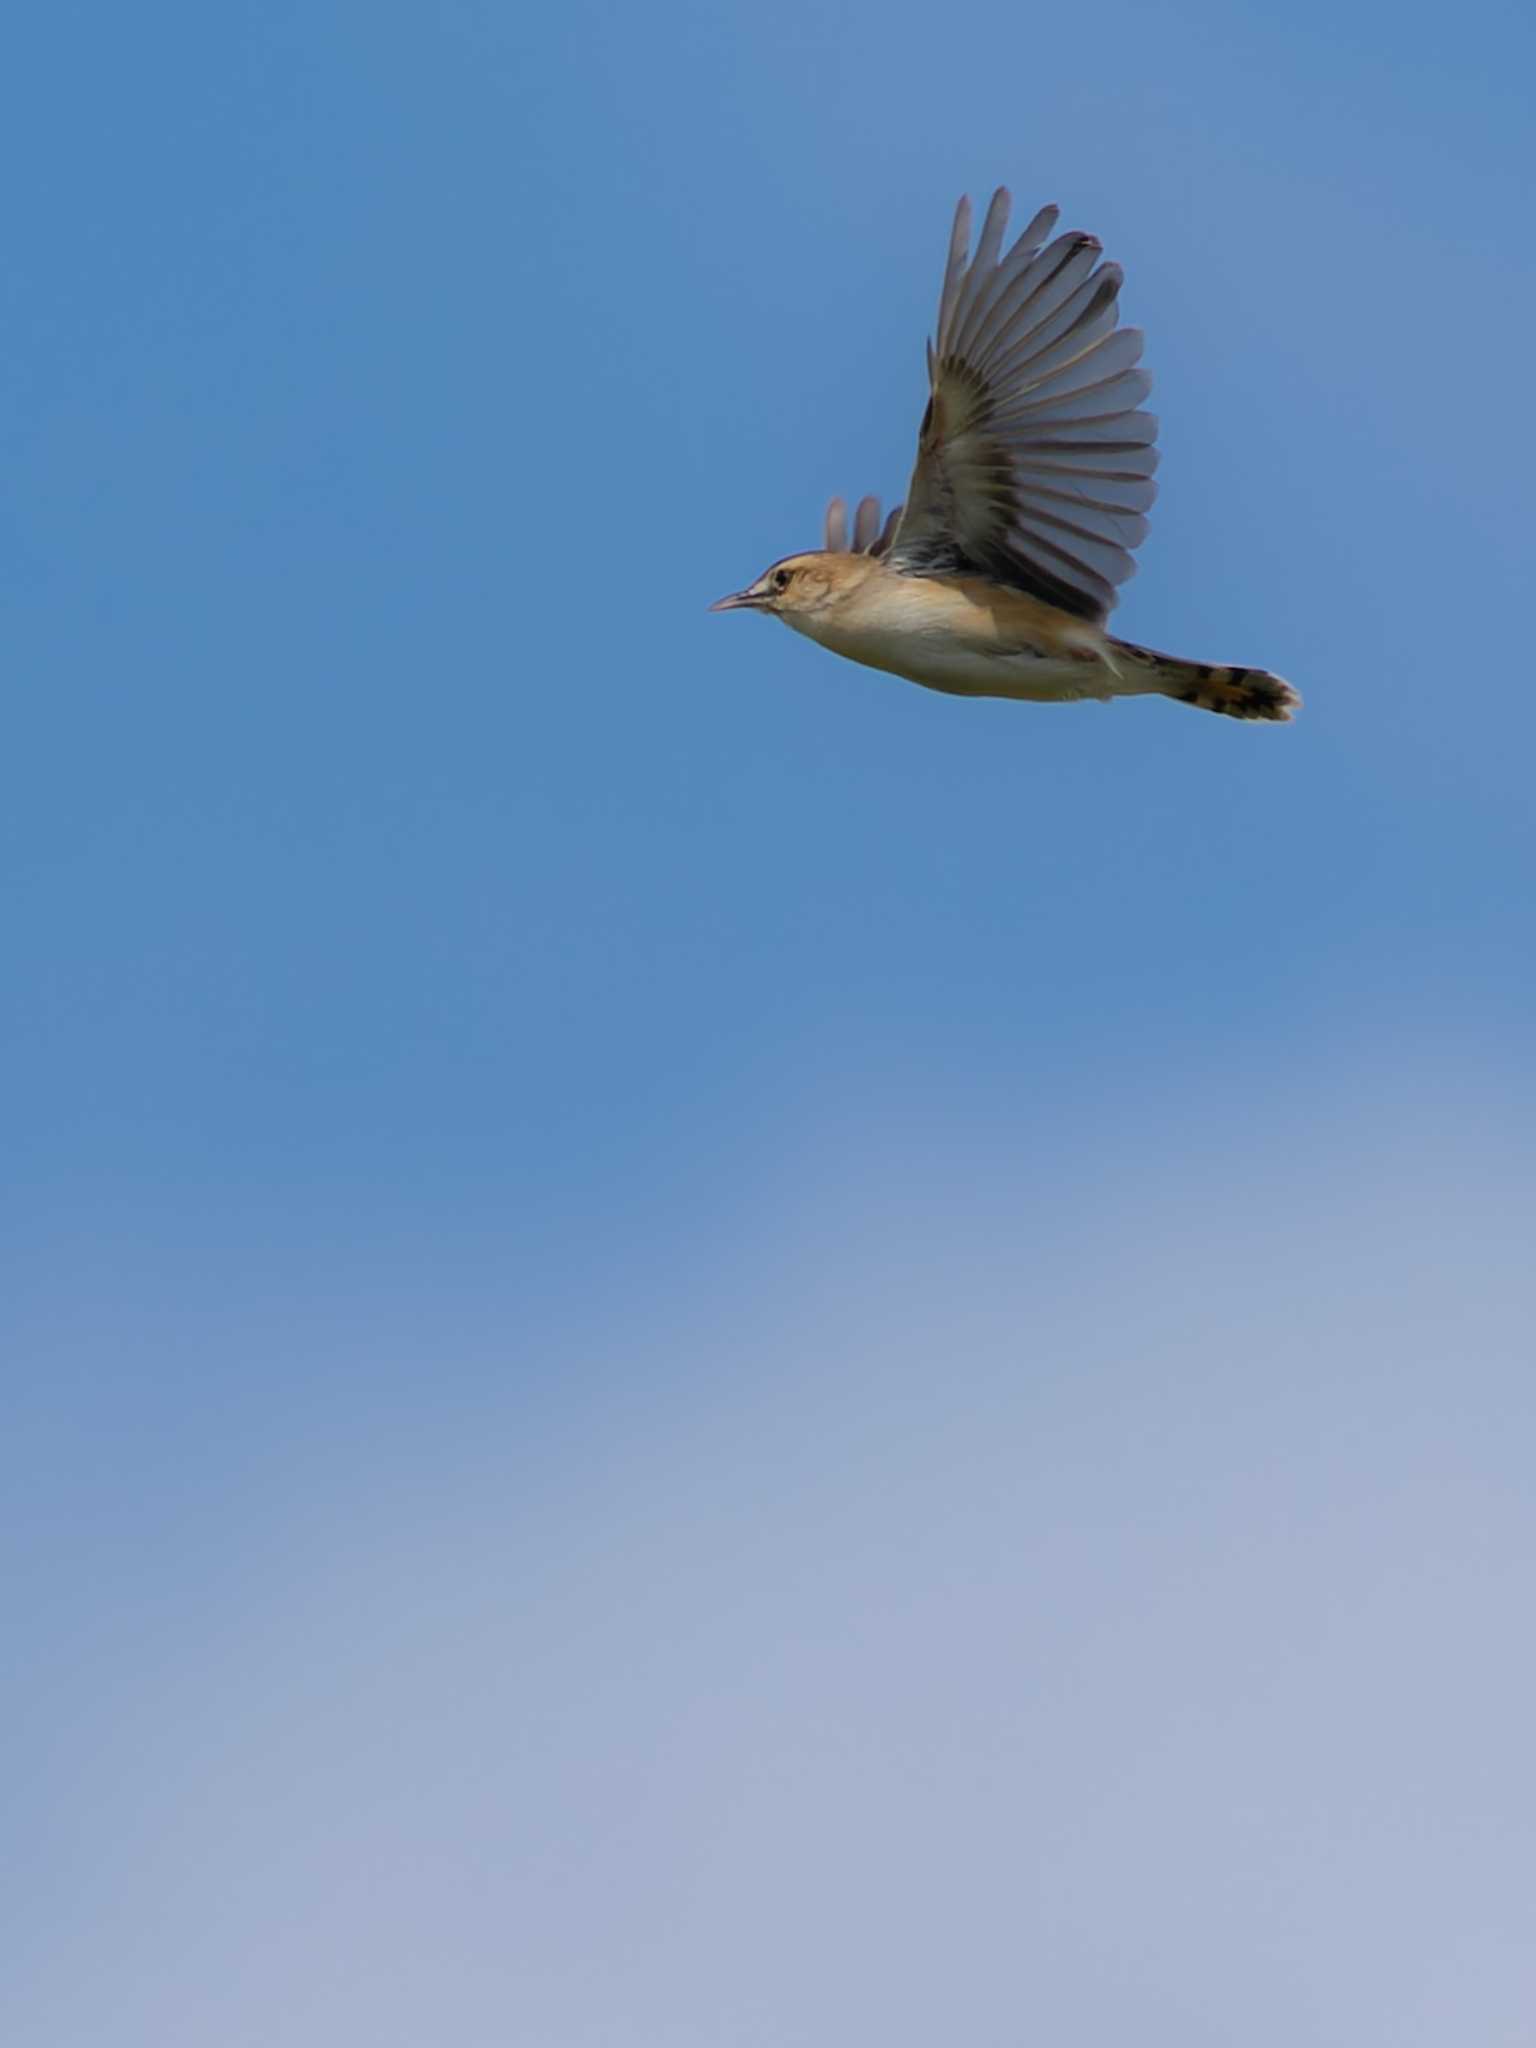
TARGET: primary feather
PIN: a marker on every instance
(1034, 463)
(869, 536)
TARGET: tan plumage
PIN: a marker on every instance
(1030, 493)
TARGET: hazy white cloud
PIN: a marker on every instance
(977, 1604)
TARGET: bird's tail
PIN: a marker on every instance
(1235, 692)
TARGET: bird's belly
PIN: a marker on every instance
(1043, 675)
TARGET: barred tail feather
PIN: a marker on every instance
(1234, 692)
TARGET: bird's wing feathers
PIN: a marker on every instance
(1034, 466)
(869, 536)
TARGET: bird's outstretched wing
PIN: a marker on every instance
(1034, 466)
(869, 536)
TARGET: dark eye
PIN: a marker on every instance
(781, 579)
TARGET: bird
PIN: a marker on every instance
(1033, 479)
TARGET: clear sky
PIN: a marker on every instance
(698, 1349)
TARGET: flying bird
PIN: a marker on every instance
(1031, 490)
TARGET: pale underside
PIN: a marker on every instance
(971, 638)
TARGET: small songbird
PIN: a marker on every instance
(1033, 479)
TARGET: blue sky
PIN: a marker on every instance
(699, 1348)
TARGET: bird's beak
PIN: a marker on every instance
(739, 601)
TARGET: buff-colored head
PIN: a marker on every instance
(802, 588)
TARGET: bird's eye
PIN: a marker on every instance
(781, 579)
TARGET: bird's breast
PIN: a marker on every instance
(965, 637)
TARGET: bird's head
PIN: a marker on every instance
(802, 590)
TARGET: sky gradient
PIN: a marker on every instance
(699, 1349)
